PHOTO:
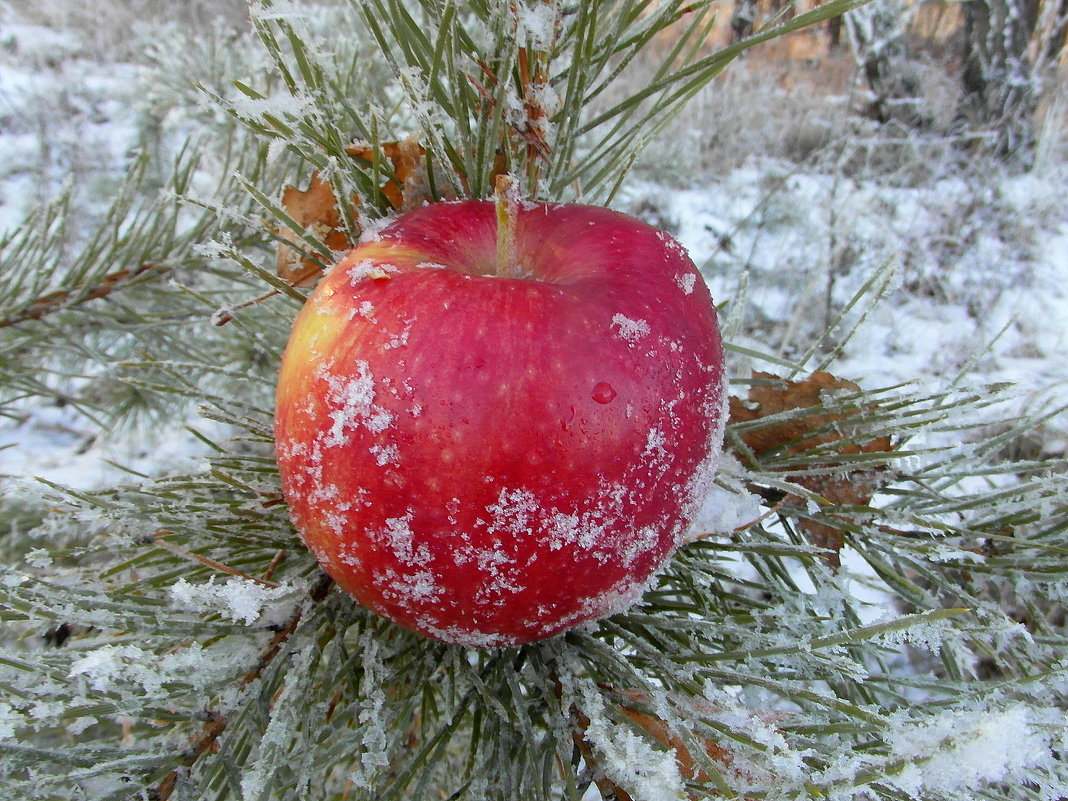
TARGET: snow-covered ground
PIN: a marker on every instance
(973, 269)
(975, 266)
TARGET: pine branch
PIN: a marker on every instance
(751, 669)
(65, 298)
(204, 740)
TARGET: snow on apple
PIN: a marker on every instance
(518, 437)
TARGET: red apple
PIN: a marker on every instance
(492, 435)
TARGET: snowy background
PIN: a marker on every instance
(973, 260)
(970, 260)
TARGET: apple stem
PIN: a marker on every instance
(506, 196)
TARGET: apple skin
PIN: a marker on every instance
(493, 460)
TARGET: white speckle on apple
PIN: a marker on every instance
(513, 511)
(452, 508)
(352, 400)
(369, 268)
(629, 330)
(384, 454)
(644, 540)
(399, 538)
(418, 587)
(348, 554)
(365, 309)
(336, 521)
(399, 340)
(655, 454)
(569, 529)
(686, 282)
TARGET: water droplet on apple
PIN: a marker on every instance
(603, 392)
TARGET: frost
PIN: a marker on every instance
(630, 330)
(277, 737)
(112, 667)
(38, 557)
(962, 750)
(282, 105)
(373, 734)
(645, 772)
(537, 21)
(371, 230)
(353, 402)
(240, 599)
(10, 719)
(930, 636)
(686, 282)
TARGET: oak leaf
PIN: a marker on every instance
(316, 209)
(833, 431)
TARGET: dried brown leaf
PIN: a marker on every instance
(316, 209)
(846, 486)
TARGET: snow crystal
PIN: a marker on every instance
(727, 506)
(630, 330)
(10, 719)
(239, 599)
(38, 557)
(353, 401)
(958, 750)
(686, 282)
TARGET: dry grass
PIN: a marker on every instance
(106, 25)
(812, 111)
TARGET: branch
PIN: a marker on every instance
(55, 301)
(607, 787)
(205, 739)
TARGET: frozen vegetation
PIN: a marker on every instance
(952, 285)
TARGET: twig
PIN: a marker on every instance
(607, 787)
(205, 560)
(206, 738)
(54, 301)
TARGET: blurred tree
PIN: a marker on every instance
(998, 78)
(1011, 50)
(878, 37)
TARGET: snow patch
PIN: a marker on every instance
(240, 599)
(686, 282)
(629, 330)
(353, 402)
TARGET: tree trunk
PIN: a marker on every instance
(999, 89)
(877, 36)
(1057, 35)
